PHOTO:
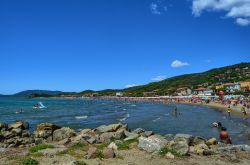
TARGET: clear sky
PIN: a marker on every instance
(73, 45)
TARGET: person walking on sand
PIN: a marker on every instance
(243, 110)
(229, 110)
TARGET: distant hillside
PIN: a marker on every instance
(233, 73)
(30, 93)
(210, 78)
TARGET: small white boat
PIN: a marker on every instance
(39, 106)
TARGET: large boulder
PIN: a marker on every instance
(8, 134)
(184, 137)
(106, 137)
(113, 146)
(108, 128)
(16, 131)
(169, 137)
(138, 130)
(198, 140)
(211, 141)
(25, 124)
(119, 134)
(16, 125)
(181, 147)
(63, 133)
(152, 143)
(130, 135)
(200, 148)
(45, 130)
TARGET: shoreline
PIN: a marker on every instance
(236, 111)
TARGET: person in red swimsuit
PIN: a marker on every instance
(224, 136)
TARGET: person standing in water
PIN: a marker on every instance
(224, 136)
(243, 110)
(175, 111)
(229, 110)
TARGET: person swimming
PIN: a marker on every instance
(217, 125)
(21, 111)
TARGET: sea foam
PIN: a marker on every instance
(81, 117)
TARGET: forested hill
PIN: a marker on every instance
(210, 78)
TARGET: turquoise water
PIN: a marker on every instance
(79, 113)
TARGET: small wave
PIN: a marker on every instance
(133, 105)
(124, 109)
(81, 117)
(125, 118)
(167, 114)
(156, 119)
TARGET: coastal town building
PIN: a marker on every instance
(232, 87)
(203, 91)
(245, 85)
(218, 87)
(119, 94)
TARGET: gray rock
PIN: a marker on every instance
(16, 125)
(16, 131)
(25, 133)
(108, 128)
(181, 147)
(169, 155)
(182, 137)
(92, 140)
(169, 137)
(113, 146)
(198, 140)
(38, 141)
(25, 124)
(138, 130)
(130, 135)
(106, 137)
(84, 131)
(119, 134)
(8, 135)
(45, 130)
(152, 143)
(63, 133)
(148, 133)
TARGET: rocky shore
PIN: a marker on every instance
(110, 144)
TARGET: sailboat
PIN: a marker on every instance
(39, 105)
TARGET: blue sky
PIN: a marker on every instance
(97, 44)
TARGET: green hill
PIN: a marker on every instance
(210, 78)
(233, 73)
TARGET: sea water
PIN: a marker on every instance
(80, 113)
